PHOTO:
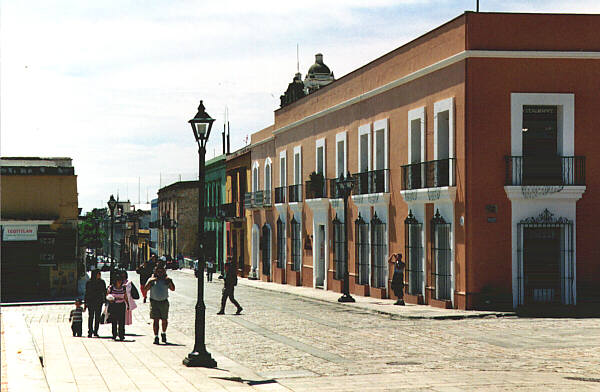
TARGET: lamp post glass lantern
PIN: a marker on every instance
(199, 357)
(344, 188)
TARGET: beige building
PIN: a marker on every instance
(39, 219)
(178, 219)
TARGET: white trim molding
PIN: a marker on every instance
(268, 164)
(455, 58)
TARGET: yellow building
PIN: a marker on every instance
(39, 216)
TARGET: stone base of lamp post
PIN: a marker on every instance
(200, 360)
(346, 298)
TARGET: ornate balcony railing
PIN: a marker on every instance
(267, 202)
(545, 170)
(230, 210)
(376, 181)
(333, 189)
(280, 195)
(295, 193)
(315, 190)
(256, 199)
(429, 174)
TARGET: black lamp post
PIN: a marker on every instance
(199, 357)
(112, 203)
(344, 188)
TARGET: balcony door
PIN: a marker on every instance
(541, 163)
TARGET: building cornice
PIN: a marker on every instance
(512, 54)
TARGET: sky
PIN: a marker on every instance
(112, 83)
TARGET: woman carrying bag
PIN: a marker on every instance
(118, 304)
(132, 295)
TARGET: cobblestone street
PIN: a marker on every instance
(290, 339)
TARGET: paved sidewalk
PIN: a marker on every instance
(384, 306)
(101, 364)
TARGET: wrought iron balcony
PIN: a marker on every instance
(229, 210)
(376, 181)
(267, 198)
(430, 174)
(316, 190)
(248, 200)
(295, 193)
(333, 189)
(280, 195)
(545, 170)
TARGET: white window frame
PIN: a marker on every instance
(416, 114)
(255, 176)
(341, 137)
(442, 106)
(283, 174)
(364, 129)
(269, 165)
(298, 151)
(565, 120)
(381, 125)
(320, 143)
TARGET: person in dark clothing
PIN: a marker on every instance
(95, 296)
(230, 283)
(145, 271)
(398, 278)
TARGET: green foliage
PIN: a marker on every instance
(91, 233)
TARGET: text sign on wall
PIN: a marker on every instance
(20, 233)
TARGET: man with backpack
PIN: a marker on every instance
(229, 287)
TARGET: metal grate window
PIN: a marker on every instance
(378, 253)
(441, 257)
(362, 250)
(413, 251)
(545, 248)
(281, 244)
(339, 248)
(266, 250)
(296, 245)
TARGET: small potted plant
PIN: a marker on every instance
(317, 184)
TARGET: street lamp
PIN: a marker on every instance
(344, 188)
(112, 203)
(199, 357)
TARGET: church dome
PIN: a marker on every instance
(319, 67)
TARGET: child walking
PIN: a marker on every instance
(76, 318)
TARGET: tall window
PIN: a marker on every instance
(255, 177)
(266, 250)
(282, 170)
(339, 248)
(320, 160)
(441, 257)
(378, 252)
(281, 243)
(362, 250)
(413, 252)
(296, 245)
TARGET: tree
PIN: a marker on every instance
(91, 233)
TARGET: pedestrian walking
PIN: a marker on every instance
(210, 265)
(229, 287)
(398, 277)
(129, 288)
(95, 296)
(159, 285)
(145, 271)
(117, 306)
(76, 318)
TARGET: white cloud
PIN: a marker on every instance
(113, 83)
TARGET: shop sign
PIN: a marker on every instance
(20, 233)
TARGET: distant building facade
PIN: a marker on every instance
(39, 218)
